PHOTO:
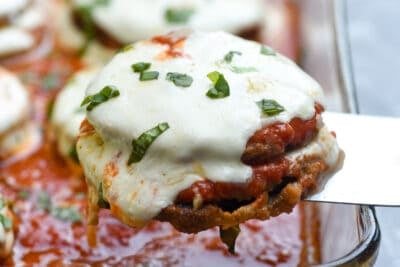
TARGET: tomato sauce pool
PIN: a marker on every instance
(46, 238)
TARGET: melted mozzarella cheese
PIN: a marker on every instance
(10, 7)
(17, 134)
(67, 113)
(206, 137)
(132, 20)
(33, 17)
(14, 101)
(14, 40)
(17, 36)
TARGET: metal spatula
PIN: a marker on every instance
(371, 170)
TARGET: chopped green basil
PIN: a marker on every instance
(267, 51)
(24, 194)
(180, 79)
(125, 48)
(270, 107)
(178, 16)
(6, 222)
(68, 214)
(101, 202)
(228, 57)
(51, 81)
(148, 75)
(73, 154)
(104, 95)
(221, 86)
(228, 60)
(43, 201)
(141, 66)
(141, 144)
(2, 204)
(236, 69)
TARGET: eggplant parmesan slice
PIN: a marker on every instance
(202, 130)
(17, 134)
(23, 31)
(126, 21)
(94, 28)
(7, 229)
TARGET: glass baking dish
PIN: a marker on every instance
(349, 234)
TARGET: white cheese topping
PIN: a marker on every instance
(9, 7)
(14, 101)
(206, 137)
(14, 40)
(17, 134)
(18, 36)
(67, 113)
(132, 20)
(33, 17)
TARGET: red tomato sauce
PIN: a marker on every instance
(268, 172)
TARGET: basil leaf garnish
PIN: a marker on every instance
(141, 66)
(228, 57)
(221, 86)
(6, 222)
(237, 69)
(270, 107)
(178, 16)
(23, 194)
(51, 81)
(44, 201)
(267, 51)
(141, 144)
(148, 75)
(67, 214)
(180, 79)
(125, 48)
(104, 95)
